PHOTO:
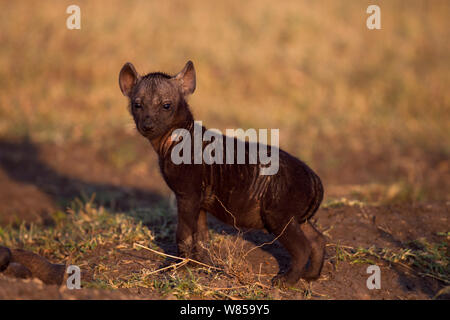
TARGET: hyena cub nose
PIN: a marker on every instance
(147, 125)
(237, 192)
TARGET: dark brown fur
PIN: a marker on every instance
(235, 193)
(25, 264)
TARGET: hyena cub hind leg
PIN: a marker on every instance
(316, 258)
(297, 244)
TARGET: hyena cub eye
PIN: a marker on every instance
(137, 105)
(167, 105)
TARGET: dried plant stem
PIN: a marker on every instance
(236, 227)
(186, 260)
(231, 214)
(270, 242)
(174, 266)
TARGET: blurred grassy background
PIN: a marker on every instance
(360, 106)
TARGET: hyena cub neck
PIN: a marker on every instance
(158, 102)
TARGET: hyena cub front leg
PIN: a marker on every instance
(192, 231)
(201, 237)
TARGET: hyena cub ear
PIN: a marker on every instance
(186, 78)
(128, 77)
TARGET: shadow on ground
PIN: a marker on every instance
(21, 168)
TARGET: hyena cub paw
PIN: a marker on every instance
(287, 279)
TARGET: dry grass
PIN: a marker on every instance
(111, 250)
(419, 257)
(76, 234)
(108, 248)
(344, 97)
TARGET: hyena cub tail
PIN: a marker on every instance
(316, 197)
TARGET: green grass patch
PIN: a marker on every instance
(76, 233)
(420, 256)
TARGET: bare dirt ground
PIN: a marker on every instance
(36, 181)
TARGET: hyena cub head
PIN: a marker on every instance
(157, 100)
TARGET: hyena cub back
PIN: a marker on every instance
(237, 194)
